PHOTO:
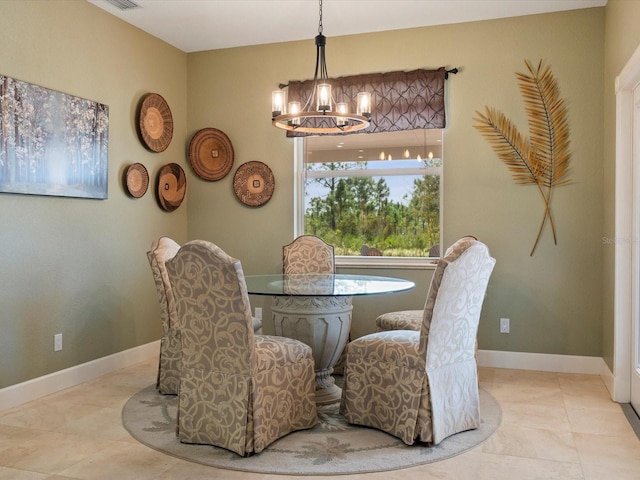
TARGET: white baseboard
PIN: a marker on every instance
(542, 361)
(545, 362)
(607, 377)
(15, 395)
(39, 387)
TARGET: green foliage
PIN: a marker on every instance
(358, 211)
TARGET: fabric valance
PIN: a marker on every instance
(401, 100)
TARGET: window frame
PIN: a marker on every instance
(361, 261)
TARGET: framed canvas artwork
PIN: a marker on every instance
(52, 143)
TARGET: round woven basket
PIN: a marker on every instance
(253, 183)
(211, 154)
(155, 122)
(136, 180)
(172, 186)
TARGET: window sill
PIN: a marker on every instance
(387, 262)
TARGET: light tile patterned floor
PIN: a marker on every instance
(555, 426)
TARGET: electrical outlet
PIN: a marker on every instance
(259, 313)
(57, 342)
(504, 325)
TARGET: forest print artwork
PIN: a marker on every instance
(51, 143)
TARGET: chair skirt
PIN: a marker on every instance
(169, 363)
(386, 386)
(245, 413)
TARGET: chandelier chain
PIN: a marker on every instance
(320, 23)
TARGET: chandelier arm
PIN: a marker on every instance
(319, 58)
(323, 63)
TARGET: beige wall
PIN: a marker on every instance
(553, 298)
(621, 40)
(76, 266)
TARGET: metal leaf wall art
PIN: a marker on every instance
(543, 158)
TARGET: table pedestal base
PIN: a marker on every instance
(323, 323)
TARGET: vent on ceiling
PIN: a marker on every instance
(123, 4)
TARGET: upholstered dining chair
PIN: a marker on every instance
(423, 385)
(311, 254)
(162, 249)
(407, 319)
(238, 390)
(308, 254)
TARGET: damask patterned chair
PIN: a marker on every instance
(238, 390)
(163, 249)
(308, 254)
(311, 254)
(407, 319)
(423, 385)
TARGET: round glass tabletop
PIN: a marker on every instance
(318, 285)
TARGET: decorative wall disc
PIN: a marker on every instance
(156, 123)
(137, 180)
(172, 186)
(211, 154)
(253, 183)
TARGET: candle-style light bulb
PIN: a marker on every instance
(364, 104)
(342, 110)
(277, 103)
(324, 97)
(294, 107)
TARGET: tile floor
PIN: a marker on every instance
(554, 426)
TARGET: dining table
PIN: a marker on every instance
(316, 309)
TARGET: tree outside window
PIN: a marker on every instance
(374, 194)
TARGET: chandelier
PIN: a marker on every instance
(321, 104)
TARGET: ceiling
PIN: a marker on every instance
(197, 25)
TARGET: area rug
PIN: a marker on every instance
(332, 447)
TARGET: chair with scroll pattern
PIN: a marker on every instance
(406, 319)
(308, 254)
(238, 390)
(162, 249)
(423, 385)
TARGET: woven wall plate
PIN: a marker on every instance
(156, 123)
(211, 154)
(136, 180)
(172, 186)
(253, 183)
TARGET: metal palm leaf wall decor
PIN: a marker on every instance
(543, 159)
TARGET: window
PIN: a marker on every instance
(372, 195)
